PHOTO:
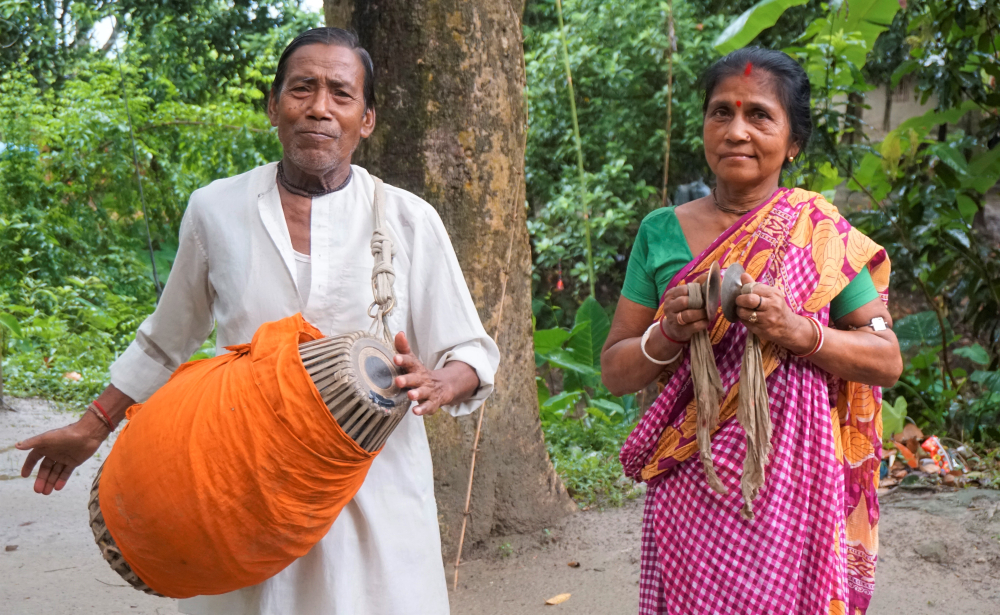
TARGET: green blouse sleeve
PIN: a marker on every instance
(659, 252)
(858, 292)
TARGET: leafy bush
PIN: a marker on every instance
(616, 51)
(75, 275)
(584, 424)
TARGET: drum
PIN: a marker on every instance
(259, 396)
(356, 377)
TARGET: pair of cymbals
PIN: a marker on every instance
(716, 290)
(733, 287)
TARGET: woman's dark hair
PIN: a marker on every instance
(790, 81)
(328, 36)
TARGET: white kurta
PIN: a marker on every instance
(235, 269)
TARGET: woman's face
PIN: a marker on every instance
(747, 130)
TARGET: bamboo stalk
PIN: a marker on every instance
(579, 150)
(671, 49)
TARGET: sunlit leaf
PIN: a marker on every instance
(752, 22)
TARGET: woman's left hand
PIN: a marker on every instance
(766, 314)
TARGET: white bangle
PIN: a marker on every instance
(642, 347)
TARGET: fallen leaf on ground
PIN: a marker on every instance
(573, 564)
(26, 523)
(558, 599)
(9, 548)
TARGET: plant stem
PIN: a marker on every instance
(579, 150)
(671, 48)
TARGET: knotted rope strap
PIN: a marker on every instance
(707, 388)
(383, 274)
(753, 413)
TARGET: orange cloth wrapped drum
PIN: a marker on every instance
(238, 466)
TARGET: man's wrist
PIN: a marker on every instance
(94, 426)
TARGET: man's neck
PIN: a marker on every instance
(316, 183)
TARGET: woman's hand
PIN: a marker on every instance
(453, 383)
(766, 314)
(61, 451)
(680, 322)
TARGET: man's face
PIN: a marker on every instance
(320, 113)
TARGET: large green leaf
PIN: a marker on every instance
(11, 323)
(974, 353)
(918, 330)
(862, 20)
(608, 406)
(987, 380)
(984, 169)
(752, 22)
(932, 119)
(548, 340)
(593, 325)
(567, 362)
(893, 417)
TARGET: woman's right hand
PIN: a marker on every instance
(675, 303)
(61, 451)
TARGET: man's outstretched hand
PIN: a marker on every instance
(61, 451)
(453, 383)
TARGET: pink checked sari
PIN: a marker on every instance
(813, 545)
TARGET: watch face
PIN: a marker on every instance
(878, 323)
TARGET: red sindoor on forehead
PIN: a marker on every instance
(746, 71)
(739, 103)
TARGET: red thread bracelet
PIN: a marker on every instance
(105, 414)
(670, 339)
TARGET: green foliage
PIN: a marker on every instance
(893, 417)
(74, 269)
(616, 51)
(752, 22)
(584, 424)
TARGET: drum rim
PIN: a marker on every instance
(106, 542)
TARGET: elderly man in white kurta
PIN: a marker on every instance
(294, 237)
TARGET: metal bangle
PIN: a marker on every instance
(642, 347)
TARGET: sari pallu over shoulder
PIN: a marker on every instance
(799, 243)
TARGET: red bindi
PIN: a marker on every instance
(749, 68)
(739, 103)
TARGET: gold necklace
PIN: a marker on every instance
(728, 210)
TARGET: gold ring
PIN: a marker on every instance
(753, 318)
(680, 320)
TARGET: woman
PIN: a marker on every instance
(819, 310)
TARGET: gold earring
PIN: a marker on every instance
(791, 158)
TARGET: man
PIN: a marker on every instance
(294, 236)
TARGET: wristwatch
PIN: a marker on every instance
(877, 324)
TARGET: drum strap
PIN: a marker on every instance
(383, 274)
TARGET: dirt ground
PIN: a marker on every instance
(940, 552)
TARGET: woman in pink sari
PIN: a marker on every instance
(819, 309)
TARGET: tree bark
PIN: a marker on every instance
(338, 13)
(451, 129)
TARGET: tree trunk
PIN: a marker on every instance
(338, 13)
(451, 129)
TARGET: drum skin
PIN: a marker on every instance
(231, 471)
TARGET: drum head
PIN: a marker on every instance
(372, 364)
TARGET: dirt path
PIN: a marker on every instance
(940, 553)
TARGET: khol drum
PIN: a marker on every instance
(240, 463)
